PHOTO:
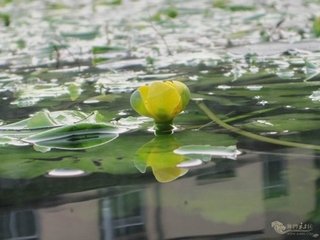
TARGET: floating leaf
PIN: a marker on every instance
(171, 12)
(74, 91)
(105, 49)
(102, 98)
(42, 149)
(284, 123)
(15, 126)
(85, 35)
(5, 141)
(5, 18)
(316, 26)
(113, 2)
(75, 137)
(229, 152)
(40, 119)
(225, 4)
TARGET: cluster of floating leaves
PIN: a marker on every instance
(47, 31)
(68, 130)
(49, 53)
(57, 58)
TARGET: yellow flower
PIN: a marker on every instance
(162, 101)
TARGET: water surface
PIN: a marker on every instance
(253, 66)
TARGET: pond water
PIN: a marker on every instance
(243, 162)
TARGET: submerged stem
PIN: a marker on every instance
(217, 120)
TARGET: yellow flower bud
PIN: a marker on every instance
(162, 101)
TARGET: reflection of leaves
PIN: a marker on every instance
(158, 154)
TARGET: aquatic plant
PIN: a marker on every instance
(162, 101)
(316, 26)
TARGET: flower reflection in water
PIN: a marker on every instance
(158, 154)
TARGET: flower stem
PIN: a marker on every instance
(163, 128)
(218, 121)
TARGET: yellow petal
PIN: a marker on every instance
(184, 92)
(138, 104)
(163, 101)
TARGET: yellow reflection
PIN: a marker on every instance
(158, 154)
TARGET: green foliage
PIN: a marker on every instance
(40, 119)
(123, 155)
(75, 91)
(21, 43)
(86, 35)
(74, 137)
(69, 130)
(150, 60)
(99, 51)
(165, 14)
(220, 3)
(291, 122)
(114, 2)
(98, 60)
(241, 8)
(56, 6)
(226, 5)
(5, 18)
(171, 12)
(105, 49)
(5, 2)
(316, 26)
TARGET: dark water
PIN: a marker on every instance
(68, 59)
(222, 199)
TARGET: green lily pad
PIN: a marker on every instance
(75, 137)
(229, 152)
(293, 122)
